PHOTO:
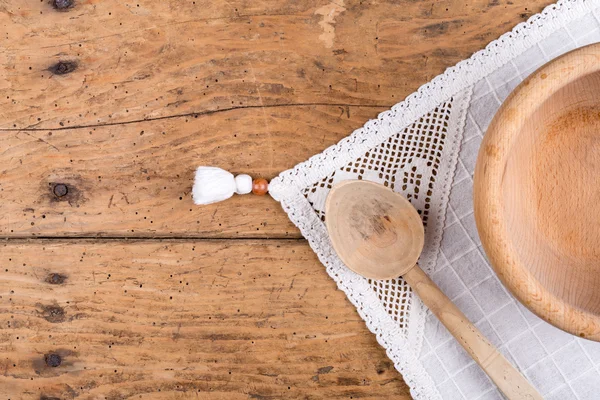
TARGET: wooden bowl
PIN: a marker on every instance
(537, 192)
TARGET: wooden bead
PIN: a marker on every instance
(260, 186)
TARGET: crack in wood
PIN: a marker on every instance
(195, 115)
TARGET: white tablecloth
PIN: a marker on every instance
(425, 148)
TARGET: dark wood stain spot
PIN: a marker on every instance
(324, 370)
(440, 28)
(446, 52)
(348, 381)
(56, 279)
(367, 219)
(141, 76)
(54, 314)
(44, 397)
(383, 366)
(259, 397)
(63, 67)
(492, 151)
(319, 65)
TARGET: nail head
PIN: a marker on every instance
(60, 190)
(63, 4)
(53, 360)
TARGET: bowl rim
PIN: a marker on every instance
(487, 200)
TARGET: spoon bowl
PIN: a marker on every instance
(377, 233)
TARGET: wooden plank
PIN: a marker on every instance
(150, 59)
(181, 319)
(260, 117)
(124, 183)
(135, 179)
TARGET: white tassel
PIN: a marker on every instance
(212, 185)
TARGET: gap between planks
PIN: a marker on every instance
(23, 239)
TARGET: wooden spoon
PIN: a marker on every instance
(377, 233)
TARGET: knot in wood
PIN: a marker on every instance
(63, 67)
(54, 314)
(56, 279)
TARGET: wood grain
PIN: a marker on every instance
(536, 192)
(232, 319)
(375, 231)
(217, 67)
(136, 179)
(149, 59)
(248, 82)
(250, 86)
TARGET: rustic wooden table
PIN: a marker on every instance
(112, 283)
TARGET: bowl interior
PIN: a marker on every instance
(551, 194)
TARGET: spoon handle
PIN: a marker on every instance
(508, 379)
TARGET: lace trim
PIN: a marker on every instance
(362, 296)
(418, 311)
(287, 187)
